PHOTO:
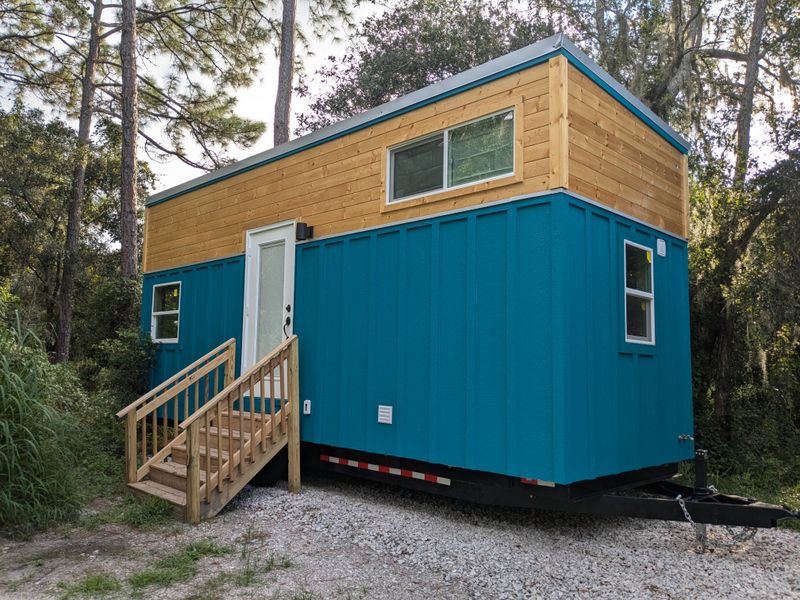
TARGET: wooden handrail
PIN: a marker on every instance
(276, 352)
(136, 403)
(229, 406)
(162, 403)
(214, 403)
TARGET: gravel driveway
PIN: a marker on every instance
(364, 540)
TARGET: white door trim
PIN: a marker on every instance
(254, 239)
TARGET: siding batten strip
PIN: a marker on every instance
(559, 124)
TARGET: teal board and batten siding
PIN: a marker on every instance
(211, 300)
(496, 334)
(497, 337)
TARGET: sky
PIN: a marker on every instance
(258, 101)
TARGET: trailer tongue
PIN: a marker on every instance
(668, 500)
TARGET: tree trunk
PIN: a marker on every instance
(130, 117)
(283, 99)
(745, 117)
(71, 250)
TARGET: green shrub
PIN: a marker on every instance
(107, 305)
(125, 362)
(758, 452)
(39, 436)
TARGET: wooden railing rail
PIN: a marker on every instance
(273, 379)
(191, 387)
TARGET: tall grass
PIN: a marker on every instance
(40, 439)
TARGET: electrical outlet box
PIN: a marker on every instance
(384, 414)
(306, 407)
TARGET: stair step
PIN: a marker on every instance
(172, 474)
(179, 455)
(225, 432)
(245, 418)
(153, 488)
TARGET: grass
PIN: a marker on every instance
(140, 513)
(177, 567)
(211, 589)
(95, 586)
(251, 568)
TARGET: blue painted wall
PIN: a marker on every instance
(497, 336)
(211, 303)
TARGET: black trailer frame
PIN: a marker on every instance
(650, 493)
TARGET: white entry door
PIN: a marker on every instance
(268, 290)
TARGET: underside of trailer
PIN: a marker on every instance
(650, 493)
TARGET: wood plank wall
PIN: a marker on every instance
(570, 134)
(338, 186)
(618, 160)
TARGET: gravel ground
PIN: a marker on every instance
(364, 540)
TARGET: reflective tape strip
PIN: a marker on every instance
(430, 478)
(537, 482)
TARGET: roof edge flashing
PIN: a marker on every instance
(502, 66)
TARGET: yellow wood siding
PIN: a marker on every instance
(569, 133)
(618, 160)
(339, 186)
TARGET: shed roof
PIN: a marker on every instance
(507, 64)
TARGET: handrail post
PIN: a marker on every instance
(230, 364)
(193, 473)
(293, 433)
(130, 447)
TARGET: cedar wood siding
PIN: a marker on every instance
(618, 160)
(339, 186)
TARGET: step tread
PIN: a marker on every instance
(256, 415)
(182, 448)
(165, 492)
(175, 468)
(224, 432)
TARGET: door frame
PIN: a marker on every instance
(255, 238)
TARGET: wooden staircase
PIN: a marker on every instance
(230, 429)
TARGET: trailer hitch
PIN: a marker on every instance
(703, 505)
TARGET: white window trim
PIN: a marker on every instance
(633, 339)
(154, 314)
(445, 147)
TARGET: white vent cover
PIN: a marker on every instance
(661, 247)
(384, 414)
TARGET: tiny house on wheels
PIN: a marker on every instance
(479, 289)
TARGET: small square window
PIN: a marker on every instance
(165, 316)
(639, 298)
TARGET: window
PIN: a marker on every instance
(476, 151)
(165, 319)
(639, 314)
(418, 167)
